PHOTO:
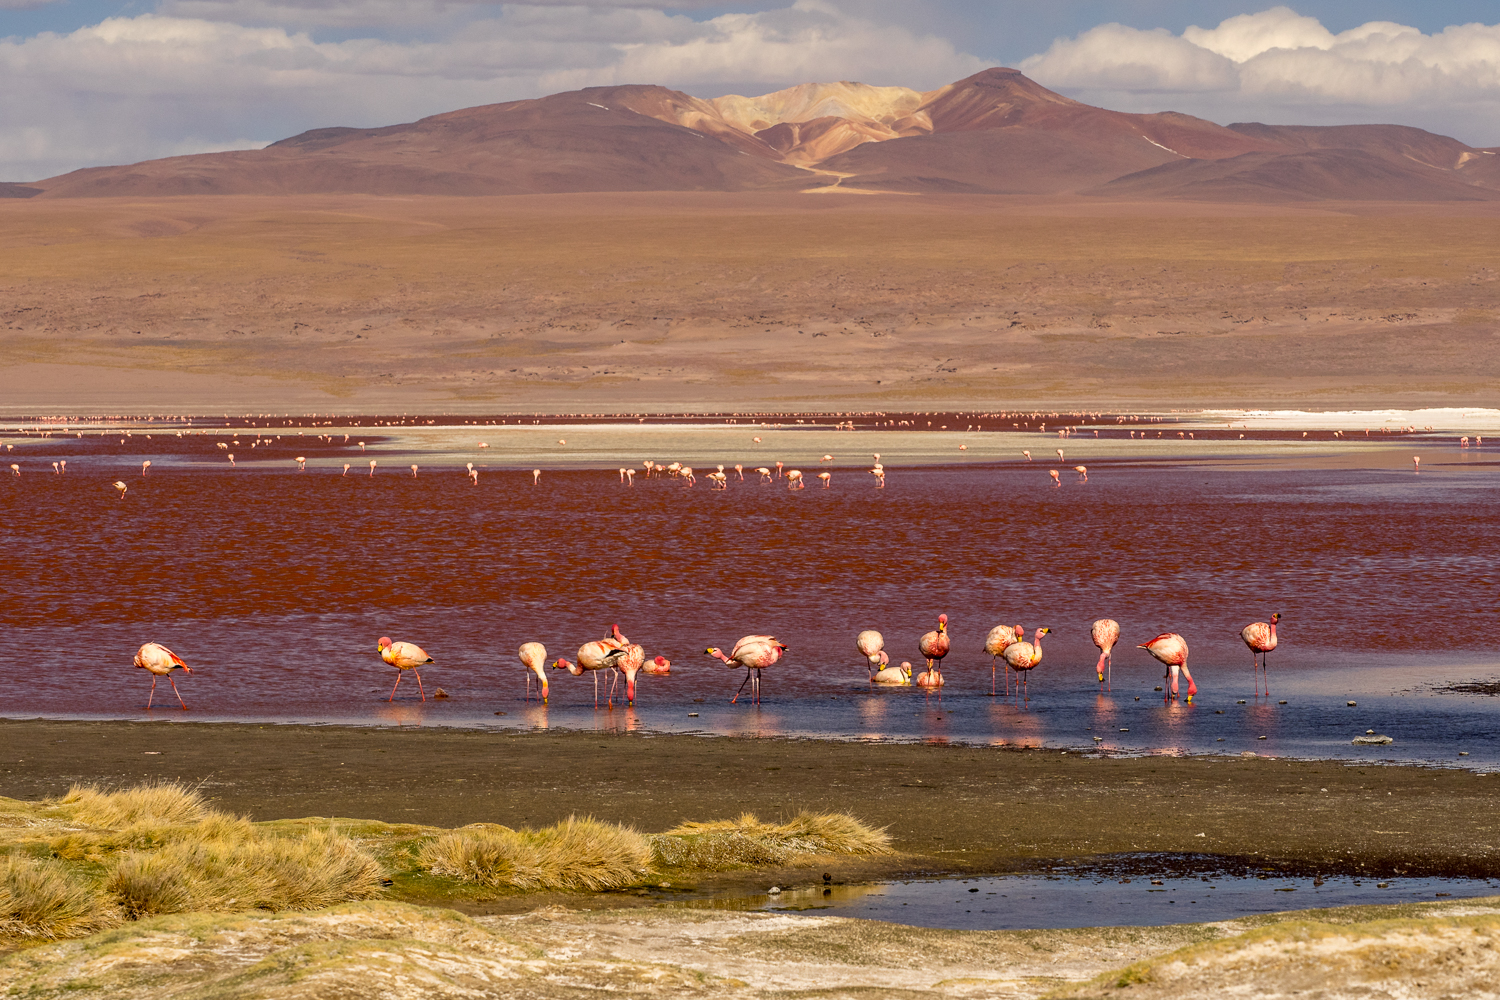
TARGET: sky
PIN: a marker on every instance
(88, 82)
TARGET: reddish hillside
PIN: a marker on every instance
(996, 131)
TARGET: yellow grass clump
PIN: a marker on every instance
(747, 841)
(574, 854)
(42, 899)
(244, 872)
(166, 803)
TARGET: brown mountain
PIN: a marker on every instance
(994, 132)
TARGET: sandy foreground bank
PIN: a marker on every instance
(948, 809)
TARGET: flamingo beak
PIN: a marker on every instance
(544, 690)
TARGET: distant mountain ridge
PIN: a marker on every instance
(997, 132)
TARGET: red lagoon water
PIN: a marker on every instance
(275, 586)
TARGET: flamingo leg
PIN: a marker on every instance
(419, 682)
(992, 676)
(757, 687)
(596, 689)
(1109, 667)
(153, 691)
(741, 688)
(178, 693)
(395, 686)
(528, 687)
(614, 678)
(1264, 669)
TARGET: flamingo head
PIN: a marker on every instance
(661, 662)
(563, 664)
(906, 668)
(942, 623)
(1276, 618)
(880, 660)
(1041, 631)
(384, 644)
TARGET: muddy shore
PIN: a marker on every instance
(949, 809)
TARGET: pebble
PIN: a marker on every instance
(775, 890)
(1371, 740)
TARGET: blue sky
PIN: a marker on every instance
(103, 81)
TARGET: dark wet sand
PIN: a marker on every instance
(949, 809)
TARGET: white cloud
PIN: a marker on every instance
(25, 4)
(1281, 66)
(131, 88)
(366, 14)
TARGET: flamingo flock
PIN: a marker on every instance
(617, 655)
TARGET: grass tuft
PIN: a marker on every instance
(42, 899)
(747, 841)
(165, 803)
(574, 854)
(308, 873)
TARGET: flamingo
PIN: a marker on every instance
(372, 468)
(688, 478)
(1055, 480)
(120, 485)
(474, 476)
(869, 643)
(1060, 455)
(1027, 454)
(658, 666)
(534, 659)
(414, 472)
(756, 440)
(739, 470)
(301, 463)
(403, 656)
(827, 478)
(794, 479)
(778, 470)
(934, 645)
(1261, 638)
(630, 477)
(930, 679)
(826, 458)
(346, 468)
(63, 465)
(1105, 633)
(718, 481)
(1001, 637)
(1416, 464)
(1172, 649)
(1083, 473)
(536, 476)
(231, 461)
(765, 474)
(160, 661)
(879, 475)
(754, 653)
(606, 654)
(144, 467)
(894, 675)
(1023, 657)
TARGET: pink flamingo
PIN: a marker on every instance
(893, 675)
(1172, 649)
(1023, 658)
(1106, 633)
(794, 480)
(658, 666)
(120, 485)
(869, 643)
(160, 661)
(1055, 481)
(534, 659)
(145, 467)
(754, 653)
(935, 646)
(930, 679)
(403, 656)
(605, 654)
(1261, 638)
(827, 478)
(1001, 637)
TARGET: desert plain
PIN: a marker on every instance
(675, 301)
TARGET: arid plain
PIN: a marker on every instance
(784, 300)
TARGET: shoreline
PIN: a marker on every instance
(949, 809)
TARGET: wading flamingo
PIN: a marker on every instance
(717, 481)
(794, 480)
(372, 468)
(145, 467)
(934, 645)
(534, 659)
(778, 470)
(1055, 481)
(1024, 656)
(1083, 473)
(1416, 464)
(827, 478)
(160, 661)
(1105, 633)
(606, 654)
(120, 485)
(536, 476)
(301, 463)
(1001, 638)
(1261, 638)
(869, 643)
(930, 679)
(346, 468)
(754, 653)
(1172, 649)
(894, 675)
(765, 474)
(1027, 454)
(739, 470)
(403, 656)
